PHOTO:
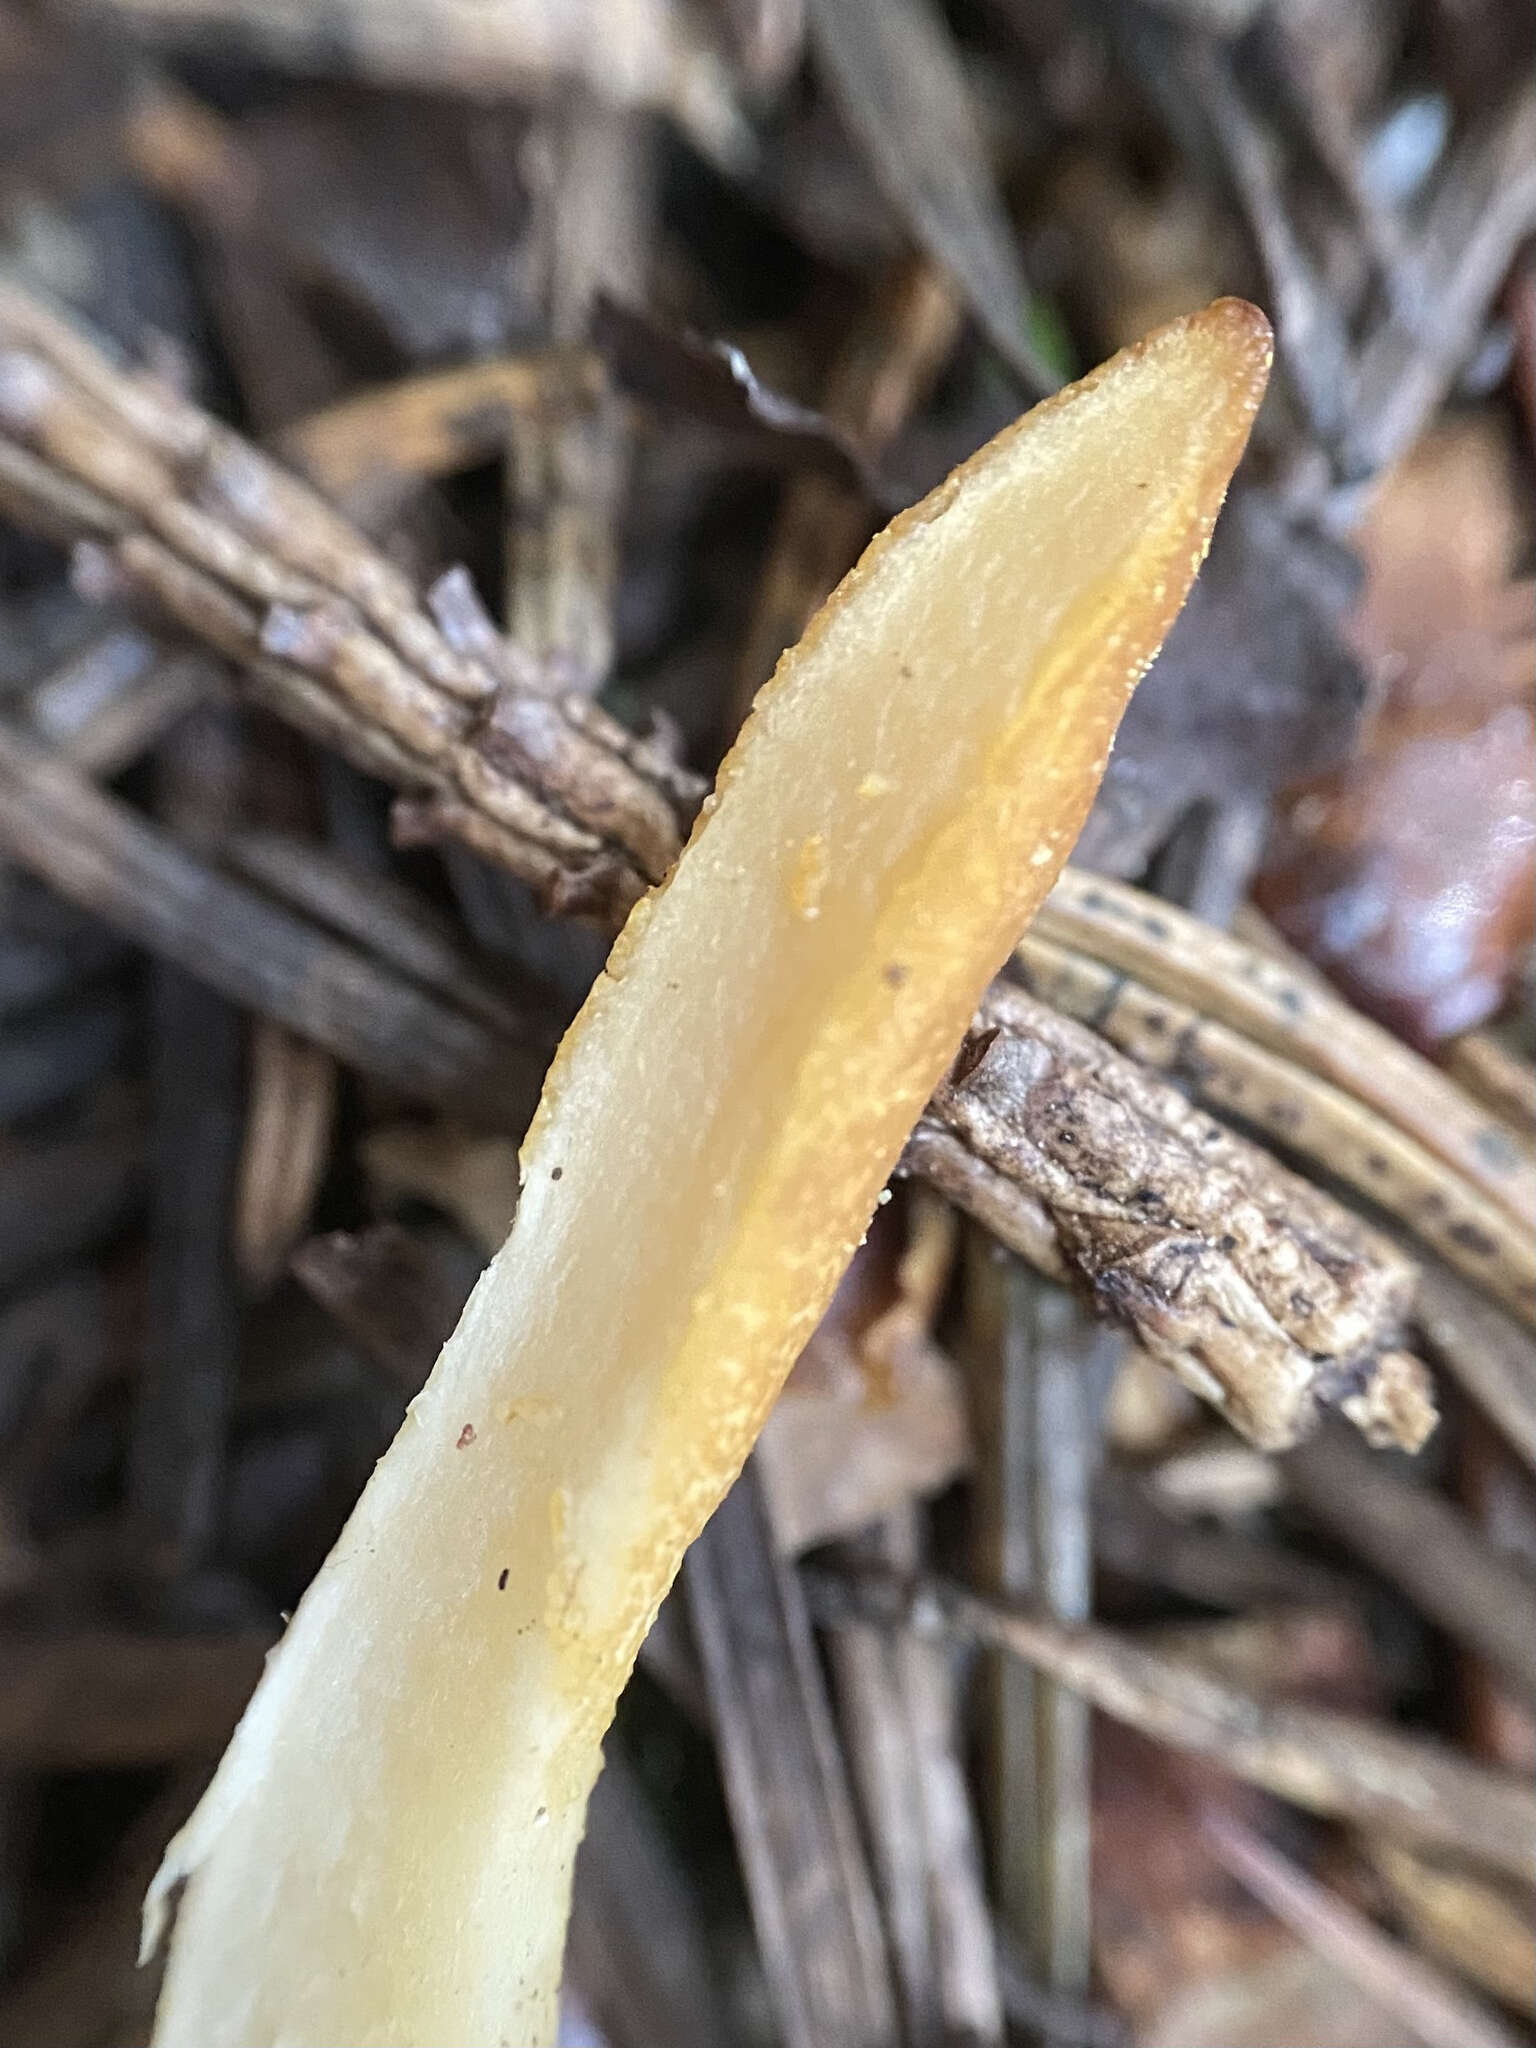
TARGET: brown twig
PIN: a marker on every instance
(1438, 2012)
(897, 76)
(1406, 1786)
(890, 359)
(384, 917)
(570, 465)
(181, 1421)
(812, 1900)
(1036, 1390)
(1484, 207)
(106, 707)
(396, 1292)
(1260, 1291)
(291, 1109)
(1501, 1080)
(637, 1951)
(184, 513)
(1490, 1355)
(102, 855)
(898, 1703)
(1422, 1544)
(1009, 1212)
(1309, 326)
(433, 423)
(878, 1740)
(1479, 1926)
(965, 1950)
(1139, 1540)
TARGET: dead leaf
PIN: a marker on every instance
(1254, 686)
(471, 1178)
(1407, 874)
(396, 1292)
(873, 1414)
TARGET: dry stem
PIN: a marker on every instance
(1403, 1785)
(1260, 1291)
(179, 510)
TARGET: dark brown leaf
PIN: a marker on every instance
(713, 382)
(897, 78)
(1253, 688)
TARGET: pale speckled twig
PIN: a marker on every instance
(1312, 1117)
(1294, 1014)
(1496, 1077)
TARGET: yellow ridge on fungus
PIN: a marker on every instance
(384, 1857)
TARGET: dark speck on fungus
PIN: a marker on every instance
(1473, 1240)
